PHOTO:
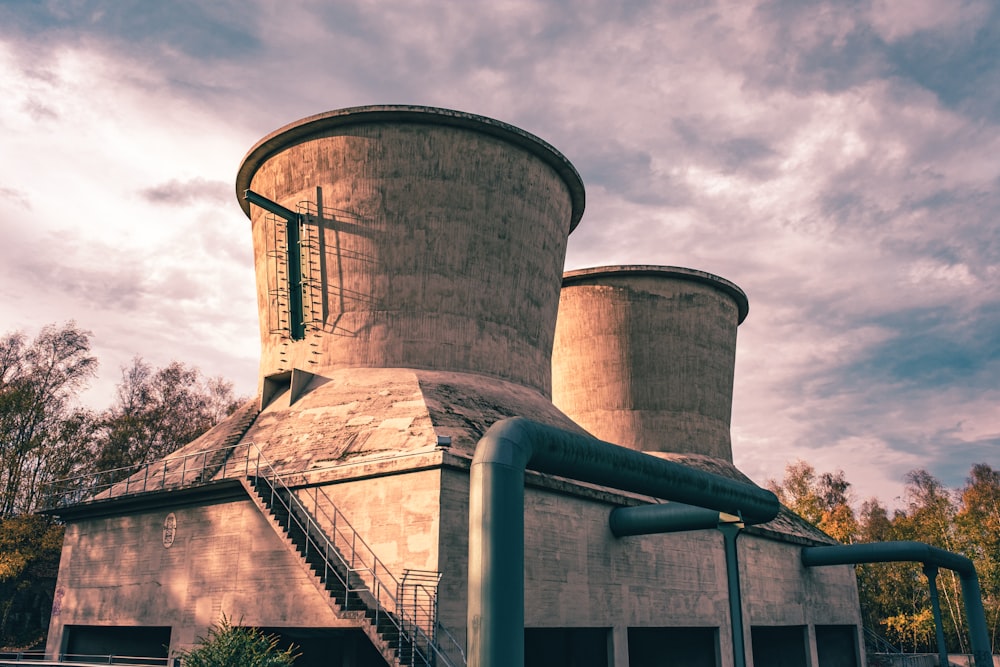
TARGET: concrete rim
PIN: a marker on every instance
(583, 276)
(301, 129)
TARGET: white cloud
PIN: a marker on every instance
(896, 20)
(773, 145)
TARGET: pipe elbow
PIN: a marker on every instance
(507, 442)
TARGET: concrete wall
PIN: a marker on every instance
(397, 516)
(441, 243)
(644, 356)
(224, 558)
(577, 574)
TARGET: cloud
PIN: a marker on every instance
(16, 196)
(209, 32)
(183, 193)
(837, 160)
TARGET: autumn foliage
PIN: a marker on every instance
(45, 435)
(895, 599)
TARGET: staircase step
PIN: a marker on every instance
(353, 600)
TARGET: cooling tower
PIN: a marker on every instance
(644, 357)
(431, 239)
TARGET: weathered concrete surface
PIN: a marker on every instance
(352, 415)
(224, 558)
(439, 242)
(644, 356)
(434, 243)
(577, 574)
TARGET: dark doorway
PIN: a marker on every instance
(329, 647)
(779, 646)
(837, 645)
(566, 647)
(673, 647)
(86, 642)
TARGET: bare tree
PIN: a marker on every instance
(39, 382)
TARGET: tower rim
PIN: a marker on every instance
(304, 128)
(583, 276)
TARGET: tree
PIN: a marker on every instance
(227, 645)
(895, 596)
(30, 547)
(822, 500)
(38, 385)
(978, 533)
(930, 517)
(158, 410)
(45, 437)
(887, 590)
(914, 631)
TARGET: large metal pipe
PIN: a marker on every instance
(677, 517)
(931, 572)
(730, 531)
(657, 519)
(918, 552)
(496, 515)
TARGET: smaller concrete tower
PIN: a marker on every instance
(644, 357)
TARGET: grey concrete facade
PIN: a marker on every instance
(435, 254)
(439, 241)
(645, 356)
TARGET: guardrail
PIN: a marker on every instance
(81, 660)
(170, 473)
(349, 559)
(411, 605)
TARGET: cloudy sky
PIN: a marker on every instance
(839, 161)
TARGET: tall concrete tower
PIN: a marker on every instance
(430, 239)
(644, 357)
(408, 265)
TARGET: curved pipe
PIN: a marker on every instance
(496, 515)
(677, 517)
(896, 552)
(656, 519)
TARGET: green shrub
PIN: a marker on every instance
(227, 645)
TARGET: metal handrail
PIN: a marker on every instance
(418, 639)
(364, 562)
(171, 472)
(454, 642)
(42, 659)
(881, 643)
(198, 468)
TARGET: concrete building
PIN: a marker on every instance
(409, 274)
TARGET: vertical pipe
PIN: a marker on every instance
(889, 552)
(931, 572)
(496, 515)
(973, 598)
(296, 316)
(496, 566)
(730, 531)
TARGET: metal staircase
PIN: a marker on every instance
(399, 617)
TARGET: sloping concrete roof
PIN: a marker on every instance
(389, 420)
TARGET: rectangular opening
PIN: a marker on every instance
(91, 643)
(323, 647)
(783, 646)
(837, 645)
(566, 647)
(673, 647)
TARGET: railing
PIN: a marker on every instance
(81, 660)
(414, 599)
(329, 533)
(170, 473)
(876, 643)
(410, 605)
